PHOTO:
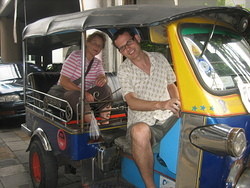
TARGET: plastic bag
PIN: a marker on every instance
(94, 131)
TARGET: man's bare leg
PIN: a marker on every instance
(142, 152)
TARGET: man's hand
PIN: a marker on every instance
(171, 104)
(135, 103)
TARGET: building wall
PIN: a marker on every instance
(180, 2)
(235, 2)
(243, 3)
(10, 50)
(248, 4)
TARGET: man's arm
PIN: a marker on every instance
(142, 105)
(173, 91)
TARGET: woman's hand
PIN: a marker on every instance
(101, 80)
(89, 97)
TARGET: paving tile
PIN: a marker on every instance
(21, 134)
(21, 180)
(26, 166)
(4, 130)
(14, 162)
(22, 156)
(74, 185)
(1, 142)
(5, 153)
(27, 142)
(8, 162)
(9, 137)
(26, 186)
(11, 170)
(17, 145)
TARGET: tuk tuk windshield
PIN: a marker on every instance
(219, 55)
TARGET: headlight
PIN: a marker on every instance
(9, 98)
(219, 139)
(237, 143)
(242, 26)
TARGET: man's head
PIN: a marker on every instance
(121, 32)
(127, 42)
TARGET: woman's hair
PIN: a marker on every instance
(97, 34)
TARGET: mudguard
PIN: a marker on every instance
(39, 133)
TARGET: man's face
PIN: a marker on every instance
(128, 45)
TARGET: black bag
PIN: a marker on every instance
(102, 95)
(57, 91)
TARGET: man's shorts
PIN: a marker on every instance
(157, 130)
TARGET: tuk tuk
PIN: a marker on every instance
(208, 146)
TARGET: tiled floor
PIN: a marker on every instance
(14, 159)
(14, 169)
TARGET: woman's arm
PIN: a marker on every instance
(68, 84)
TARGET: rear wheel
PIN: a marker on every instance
(43, 166)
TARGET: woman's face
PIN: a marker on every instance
(94, 46)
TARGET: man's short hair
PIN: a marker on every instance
(120, 32)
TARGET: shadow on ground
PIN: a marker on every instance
(11, 123)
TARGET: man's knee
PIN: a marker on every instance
(140, 131)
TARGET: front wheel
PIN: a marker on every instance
(43, 166)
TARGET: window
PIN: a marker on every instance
(220, 56)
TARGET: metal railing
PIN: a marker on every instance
(49, 106)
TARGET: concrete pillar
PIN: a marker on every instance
(10, 51)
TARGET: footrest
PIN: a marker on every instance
(124, 144)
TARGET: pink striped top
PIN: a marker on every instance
(72, 69)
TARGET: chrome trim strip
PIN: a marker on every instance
(190, 157)
(26, 129)
(244, 180)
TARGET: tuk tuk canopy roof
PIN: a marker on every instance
(128, 15)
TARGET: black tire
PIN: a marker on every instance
(43, 166)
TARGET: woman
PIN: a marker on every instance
(95, 78)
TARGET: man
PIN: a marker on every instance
(147, 82)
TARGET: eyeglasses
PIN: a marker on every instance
(128, 43)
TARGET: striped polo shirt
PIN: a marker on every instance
(72, 68)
